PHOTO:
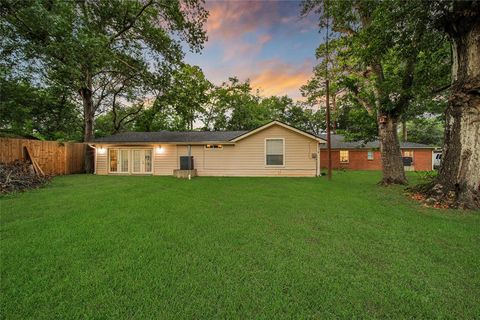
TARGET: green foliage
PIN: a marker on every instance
(356, 123)
(99, 49)
(44, 113)
(387, 56)
(187, 94)
(162, 248)
(427, 130)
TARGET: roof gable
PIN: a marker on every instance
(281, 124)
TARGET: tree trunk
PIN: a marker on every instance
(458, 182)
(88, 117)
(392, 164)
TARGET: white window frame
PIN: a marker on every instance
(151, 160)
(370, 152)
(130, 160)
(340, 156)
(265, 153)
(119, 161)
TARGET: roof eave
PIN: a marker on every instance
(160, 142)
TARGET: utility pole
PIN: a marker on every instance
(327, 87)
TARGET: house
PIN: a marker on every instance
(357, 155)
(274, 149)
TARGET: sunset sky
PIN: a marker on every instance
(264, 41)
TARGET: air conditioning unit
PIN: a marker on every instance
(186, 163)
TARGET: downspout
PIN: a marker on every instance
(189, 162)
(318, 160)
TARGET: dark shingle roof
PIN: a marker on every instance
(338, 142)
(173, 136)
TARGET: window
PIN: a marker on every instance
(370, 155)
(343, 156)
(274, 152)
(407, 158)
(118, 160)
(408, 153)
(213, 146)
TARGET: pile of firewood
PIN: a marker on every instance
(19, 176)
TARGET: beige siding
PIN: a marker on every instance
(165, 162)
(245, 158)
(101, 166)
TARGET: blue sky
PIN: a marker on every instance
(264, 41)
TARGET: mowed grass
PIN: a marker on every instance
(265, 248)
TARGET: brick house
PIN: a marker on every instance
(357, 155)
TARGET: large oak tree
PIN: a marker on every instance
(84, 43)
(458, 181)
(375, 52)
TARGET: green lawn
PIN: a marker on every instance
(160, 248)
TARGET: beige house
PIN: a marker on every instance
(275, 149)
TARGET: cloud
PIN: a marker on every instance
(232, 19)
(264, 38)
(242, 50)
(264, 41)
(279, 78)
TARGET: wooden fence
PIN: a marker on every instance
(53, 157)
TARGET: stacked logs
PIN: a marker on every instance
(20, 176)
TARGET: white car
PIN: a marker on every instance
(437, 160)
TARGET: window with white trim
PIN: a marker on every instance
(274, 152)
(343, 156)
(370, 155)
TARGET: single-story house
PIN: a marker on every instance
(274, 149)
(357, 155)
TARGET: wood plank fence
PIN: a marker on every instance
(53, 157)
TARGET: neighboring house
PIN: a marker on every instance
(275, 149)
(357, 155)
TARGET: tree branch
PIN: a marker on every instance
(129, 25)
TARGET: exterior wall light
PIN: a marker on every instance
(102, 150)
(159, 150)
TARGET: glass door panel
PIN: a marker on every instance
(124, 160)
(137, 161)
(148, 160)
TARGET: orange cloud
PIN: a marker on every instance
(232, 19)
(280, 78)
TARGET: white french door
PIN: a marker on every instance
(142, 161)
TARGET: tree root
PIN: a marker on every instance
(436, 195)
(391, 181)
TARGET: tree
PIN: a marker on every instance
(188, 93)
(45, 113)
(427, 130)
(81, 44)
(377, 63)
(233, 106)
(458, 181)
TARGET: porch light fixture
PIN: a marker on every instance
(159, 150)
(102, 150)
